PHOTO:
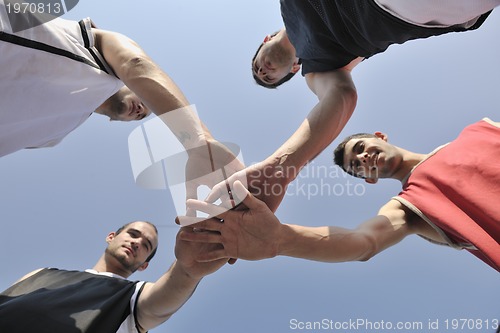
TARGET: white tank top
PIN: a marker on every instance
(438, 13)
(45, 96)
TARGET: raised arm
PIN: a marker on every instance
(336, 244)
(159, 300)
(257, 234)
(337, 99)
(139, 72)
(143, 76)
(160, 93)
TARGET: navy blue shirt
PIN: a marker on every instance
(329, 34)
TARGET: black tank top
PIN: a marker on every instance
(54, 301)
(329, 34)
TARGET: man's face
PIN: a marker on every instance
(273, 62)
(124, 105)
(371, 158)
(133, 245)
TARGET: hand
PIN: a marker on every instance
(208, 165)
(250, 234)
(188, 253)
(267, 181)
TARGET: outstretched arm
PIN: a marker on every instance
(160, 300)
(269, 179)
(256, 233)
(160, 93)
(139, 72)
(146, 79)
(337, 99)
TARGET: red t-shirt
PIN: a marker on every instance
(457, 190)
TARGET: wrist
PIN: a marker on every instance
(187, 127)
(284, 240)
(282, 166)
(183, 274)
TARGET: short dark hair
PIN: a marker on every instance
(339, 152)
(265, 84)
(123, 227)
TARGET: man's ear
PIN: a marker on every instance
(295, 68)
(371, 180)
(381, 135)
(267, 39)
(110, 237)
(143, 266)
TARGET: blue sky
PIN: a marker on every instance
(58, 204)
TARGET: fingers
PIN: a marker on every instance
(188, 220)
(245, 196)
(208, 225)
(200, 237)
(218, 191)
(213, 256)
(191, 190)
(208, 208)
(191, 193)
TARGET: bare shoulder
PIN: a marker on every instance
(399, 214)
(29, 275)
(104, 35)
(324, 83)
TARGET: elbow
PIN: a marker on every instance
(134, 66)
(370, 248)
(350, 95)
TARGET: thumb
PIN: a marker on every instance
(241, 194)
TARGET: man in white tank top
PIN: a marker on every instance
(55, 75)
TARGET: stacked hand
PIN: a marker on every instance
(208, 165)
(250, 234)
(265, 180)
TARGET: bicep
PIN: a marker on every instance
(117, 49)
(337, 82)
(139, 72)
(146, 318)
(337, 100)
(28, 275)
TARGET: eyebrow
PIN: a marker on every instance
(144, 236)
(356, 145)
(255, 72)
(254, 66)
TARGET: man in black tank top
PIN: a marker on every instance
(327, 39)
(102, 299)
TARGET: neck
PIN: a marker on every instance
(410, 160)
(282, 39)
(104, 265)
(101, 109)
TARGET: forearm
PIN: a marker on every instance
(159, 301)
(139, 72)
(165, 99)
(337, 100)
(327, 244)
(336, 244)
